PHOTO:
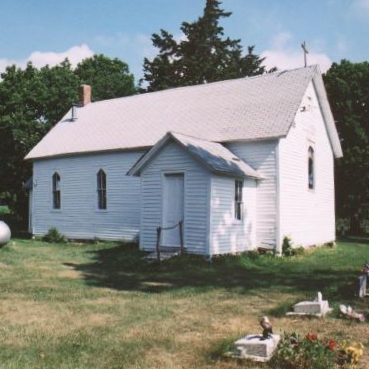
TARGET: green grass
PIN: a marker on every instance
(101, 306)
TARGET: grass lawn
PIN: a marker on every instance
(100, 306)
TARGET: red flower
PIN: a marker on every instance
(332, 345)
(311, 337)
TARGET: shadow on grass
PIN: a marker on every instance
(122, 268)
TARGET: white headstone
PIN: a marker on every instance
(319, 297)
(256, 348)
(362, 285)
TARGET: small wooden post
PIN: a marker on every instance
(158, 232)
(181, 236)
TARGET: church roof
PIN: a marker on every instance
(253, 108)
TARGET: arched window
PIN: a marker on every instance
(311, 165)
(56, 191)
(101, 189)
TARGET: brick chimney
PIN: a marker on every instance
(85, 95)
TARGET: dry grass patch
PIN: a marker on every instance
(101, 306)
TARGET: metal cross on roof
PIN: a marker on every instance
(303, 45)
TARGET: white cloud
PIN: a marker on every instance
(75, 54)
(359, 9)
(362, 4)
(281, 40)
(284, 56)
(6, 62)
(39, 59)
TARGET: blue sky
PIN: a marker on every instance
(47, 31)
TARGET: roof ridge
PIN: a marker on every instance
(204, 85)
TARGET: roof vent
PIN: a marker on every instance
(74, 112)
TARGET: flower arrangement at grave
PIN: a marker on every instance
(312, 351)
(350, 353)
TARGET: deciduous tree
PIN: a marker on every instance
(33, 100)
(348, 91)
(109, 78)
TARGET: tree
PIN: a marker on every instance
(21, 126)
(348, 91)
(204, 55)
(60, 91)
(33, 100)
(109, 78)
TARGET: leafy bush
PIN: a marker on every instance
(287, 246)
(253, 254)
(342, 226)
(54, 236)
(288, 249)
(296, 251)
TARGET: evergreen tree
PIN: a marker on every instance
(204, 55)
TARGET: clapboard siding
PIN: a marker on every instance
(261, 156)
(79, 217)
(228, 234)
(307, 216)
(174, 159)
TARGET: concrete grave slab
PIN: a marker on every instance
(256, 348)
(318, 307)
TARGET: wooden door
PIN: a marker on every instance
(173, 208)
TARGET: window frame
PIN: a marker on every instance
(56, 191)
(101, 189)
(311, 168)
(238, 199)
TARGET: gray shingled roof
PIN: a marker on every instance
(212, 155)
(254, 108)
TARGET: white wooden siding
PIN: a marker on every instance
(228, 234)
(79, 217)
(174, 159)
(307, 216)
(261, 156)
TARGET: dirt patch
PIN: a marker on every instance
(98, 319)
(69, 274)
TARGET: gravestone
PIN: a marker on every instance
(362, 280)
(256, 348)
(318, 307)
(362, 285)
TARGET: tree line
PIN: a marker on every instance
(32, 100)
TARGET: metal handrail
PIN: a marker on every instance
(158, 235)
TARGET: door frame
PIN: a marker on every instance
(174, 172)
